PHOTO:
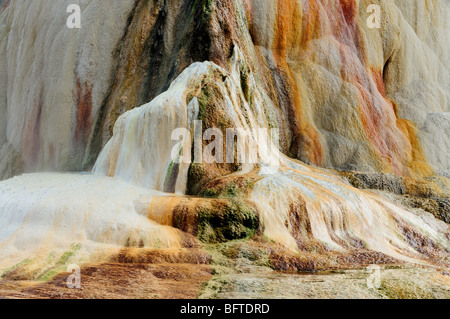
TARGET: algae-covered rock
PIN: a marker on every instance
(229, 221)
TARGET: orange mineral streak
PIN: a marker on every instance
(311, 22)
(287, 44)
(418, 164)
(161, 209)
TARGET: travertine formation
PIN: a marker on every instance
(344, 96)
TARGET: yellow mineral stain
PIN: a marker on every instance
(419, 166)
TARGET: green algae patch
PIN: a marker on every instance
(205, 8)
(15, 268)
(238, 252)
(41, 270)
(227, 221)
(227, 191)
(196, 174)
(232, 258)
(60, 265)
(51, 273)
(402, 289)
(203, 102)
(231, 187)
(68, 254)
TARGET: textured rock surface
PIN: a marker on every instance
(347, 96)
(109, 95)
(54, 79)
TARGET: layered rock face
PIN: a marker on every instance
(343, 96)
(346, 96)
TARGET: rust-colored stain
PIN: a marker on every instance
(349, 11)
(298, 22)
(377, 76)
(376, 111)
(84, 109)
(5, 5)
(380, 131)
